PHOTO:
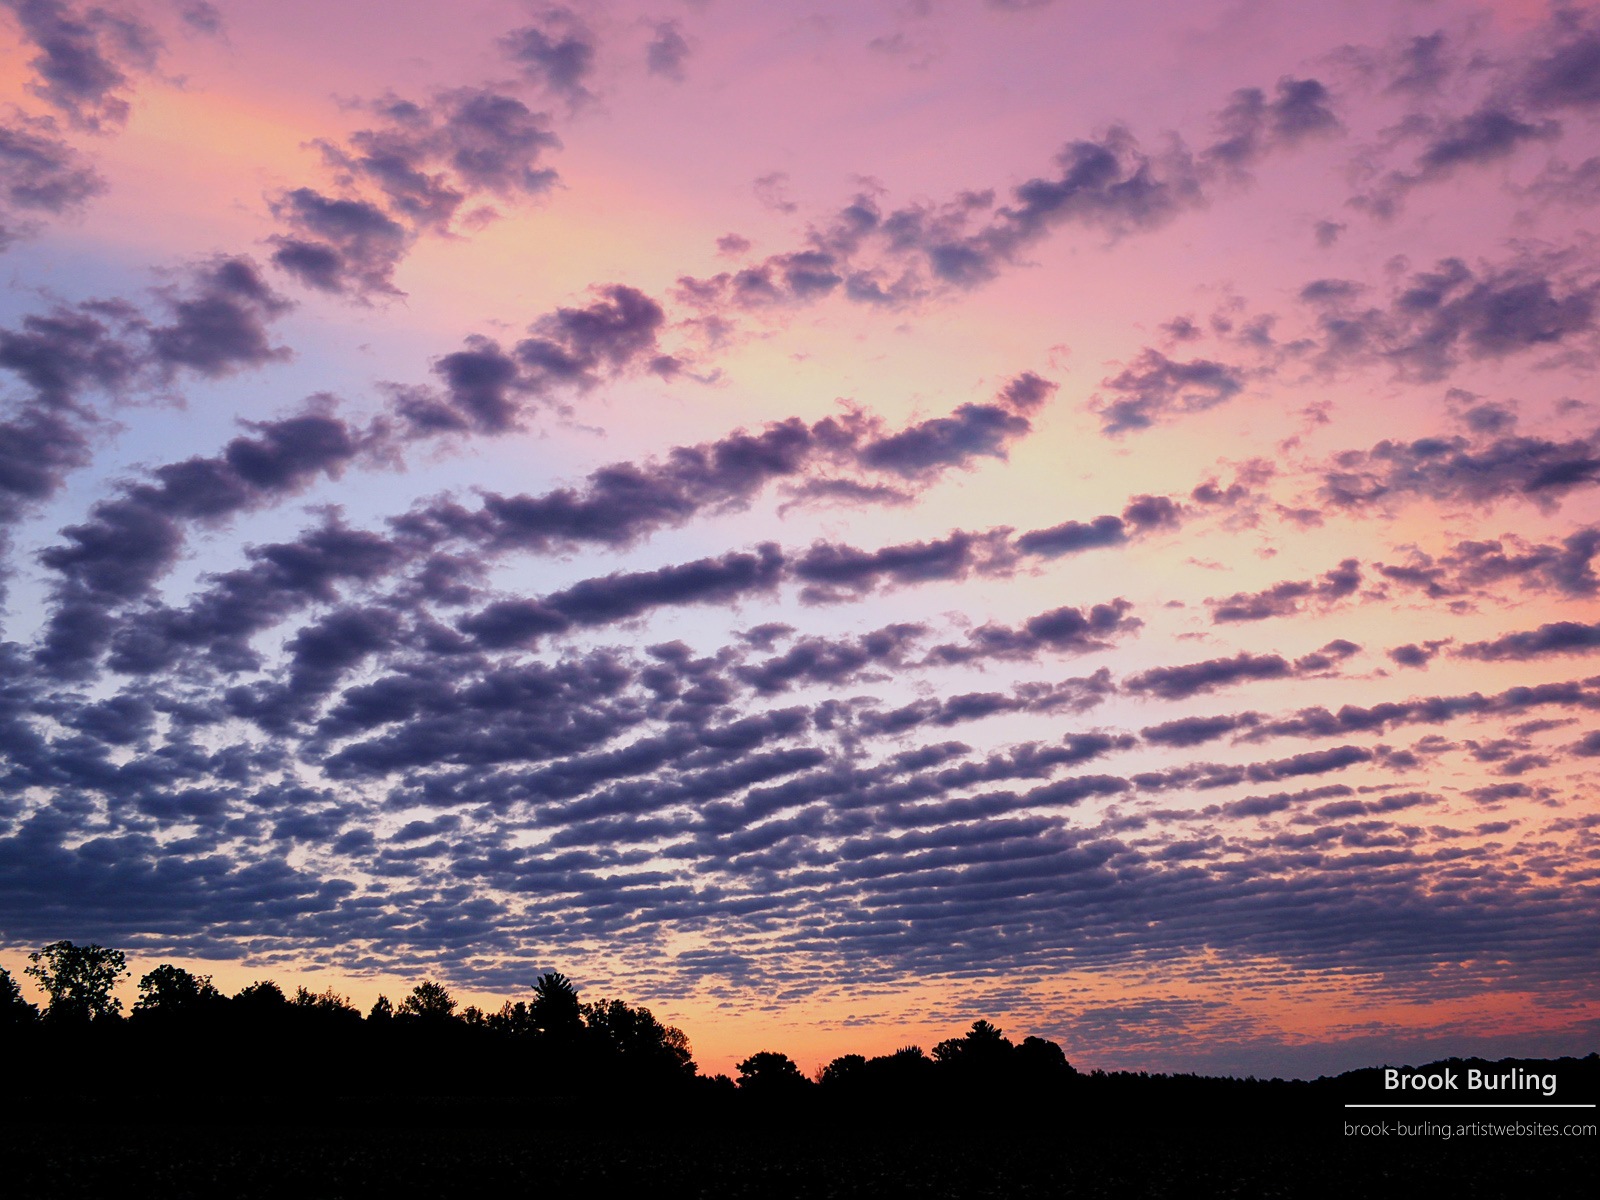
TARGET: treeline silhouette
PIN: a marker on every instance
(186, 1046)
(267, 1042)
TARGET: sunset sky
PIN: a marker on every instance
(827, 520)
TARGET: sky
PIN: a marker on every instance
(828, 521)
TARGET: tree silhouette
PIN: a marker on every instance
(429, 1001)
(891, 1086)
(848, 1070)
(575, 1057)
(14, 1010)
(555, 1011)
(326, 1011)
(261, 999)
(173, 992)
(326, 1000)
(636, 1041)
(1043, 1060)
(513, 1019)
(983, 1050)
(768, 1073)
(78, 980)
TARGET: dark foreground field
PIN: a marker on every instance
(612, 1155)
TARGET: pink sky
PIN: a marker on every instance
(1153, 607)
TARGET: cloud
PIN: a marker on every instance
(122, 883)
(1195, 731)
(1284, 599)
(1567, 74)
(1567, 568)
(1412, 655)
(571, 343)
(668, 51)
(1458, 469)
(1250, 125)
(1072, 536)
(625, 501)
(39, 173)
(1061, 630)
(1142, 514)
(1206, 776)
(621, 504)
(942, 713)
(411, 175)
(319, 655)
(1191, 679)
(1107, 183)
(1155, 386)
(201, 16)
(973, 430)
(488, 388)
(528, 712)
(813, 660)
(1487, 135)
(557, 53)
(427, 160)
(214, 322)
(793, 278)
(1556, 637)
(833, 572)
(37, 450)
(85, 58)
(1076, 695)
(219, 325)
(1438, 317)
(280, 579)
(347, 247)
(1319, 722)
(62, 355)
(1422, 64)
(920, 835)
(129, 541)
(624, 595)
